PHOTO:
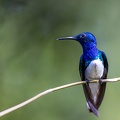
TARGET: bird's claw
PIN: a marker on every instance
(100, 80)
(87, 82)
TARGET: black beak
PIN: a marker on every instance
(67, 38)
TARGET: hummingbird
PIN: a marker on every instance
(93, 65)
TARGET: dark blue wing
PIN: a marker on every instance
(94, 106)
(86, 88)
(103, 85)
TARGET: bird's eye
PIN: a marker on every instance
(82, 36)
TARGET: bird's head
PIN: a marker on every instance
(86, 39)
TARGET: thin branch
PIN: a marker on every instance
(52, 90)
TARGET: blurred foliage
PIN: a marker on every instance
(31, 60)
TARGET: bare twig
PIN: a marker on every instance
(52, 90)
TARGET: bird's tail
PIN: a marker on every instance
(91, 108)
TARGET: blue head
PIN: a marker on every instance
(88, 43)
(86, 39)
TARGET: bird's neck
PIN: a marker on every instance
(90, 52)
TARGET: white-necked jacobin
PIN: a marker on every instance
(93, 65)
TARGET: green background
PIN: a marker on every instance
(32, 60)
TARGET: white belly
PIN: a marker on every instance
(94, 71)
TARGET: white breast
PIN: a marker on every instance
(94, 71)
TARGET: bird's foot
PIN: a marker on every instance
(87, 81)
(100, 80)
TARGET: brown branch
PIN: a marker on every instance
(52, 90)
